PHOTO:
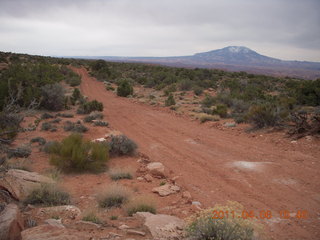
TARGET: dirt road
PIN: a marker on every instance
(216, 166)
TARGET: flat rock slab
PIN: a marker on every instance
(11, 223)
(166, 190)
(162, 226)
(48, 232)
(20, 183)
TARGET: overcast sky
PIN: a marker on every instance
(286, 29)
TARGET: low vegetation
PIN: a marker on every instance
(74, 127)
(48, 195)
(122, 145)
(39, 140)
(23, 151)
(124, 88)
(88, 107)
(143, 203)
(121, 173)
(114, 196)
(91, 217)
(93, 116)
(74, 154)
(206, 224)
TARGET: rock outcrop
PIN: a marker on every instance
(162, 226)
(156, 169)
(11, 223)
(166, 190)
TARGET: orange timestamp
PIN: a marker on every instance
(263, 214)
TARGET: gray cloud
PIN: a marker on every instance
(287, 29)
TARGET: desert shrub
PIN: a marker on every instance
(141, 204)
(122, 145)
(170, 100)
(264, 115)
(57, 120)
(39, 140)
(52, 97)
(114, 196)
(88, 107)
(305, 124)
(9, 125)
(100, 123)
(110, 88)
(76, 95)
(208, 101)
(48, 195)
(93, 116)
(22, 151)
(46, 116)
(221, 110)
(74, 80)
(204, 225)
(185, 85)
(47, 126)
(66, 115)
(75, 154)
(121, 173)
(51, 147)
(125, 88)
(91, 217)
(197, 90)
(206, 117)
(74, 127)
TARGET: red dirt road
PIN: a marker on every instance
(216, 165)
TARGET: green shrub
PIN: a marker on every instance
(264, 115)
(208, 101)
(93, 116)
(9, 125)
(141, 204)
(221, 110)
(170, 101)
(114, 196)
(89, 107)
(122, 145)
(46, 126)
(120, 173)
(198, 91)
(22, 151)
(74, 127)
(66, 115)
(74, 81)
(204, 225)
(76, 95)
(46, 116)
(52, 97)
(57, 120)
(39, 140)
(48, 195)
(74, 154)
(51, 147)
(91, 217)
(124, 89)
(100, 123)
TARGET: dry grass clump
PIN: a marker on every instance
(143, 203)
(207, 117)
(121, 173)
(48, 195)
(113, 196)
(203, 225)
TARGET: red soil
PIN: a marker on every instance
(262, 172)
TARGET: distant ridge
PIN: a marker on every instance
(232, 58)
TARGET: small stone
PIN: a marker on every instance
(140, 179)
(166, 190)
(135, 232)
(123, 227)
(148, 178)
(156, 169)
(186, 195)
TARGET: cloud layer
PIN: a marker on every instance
(286, 29)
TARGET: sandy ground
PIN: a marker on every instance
(261, 171)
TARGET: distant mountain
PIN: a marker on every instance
(234, 58)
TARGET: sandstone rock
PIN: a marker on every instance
(85, 225)
(148, 178)
(123, 227)
(140, 179)
(135, 232)
(187, 196)
(20, 183)
(11, 223)
(166, 190)
(67, 211)
(55, 223)
(156, 169)
(162, 226)
(48, 232)
(230, 124)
